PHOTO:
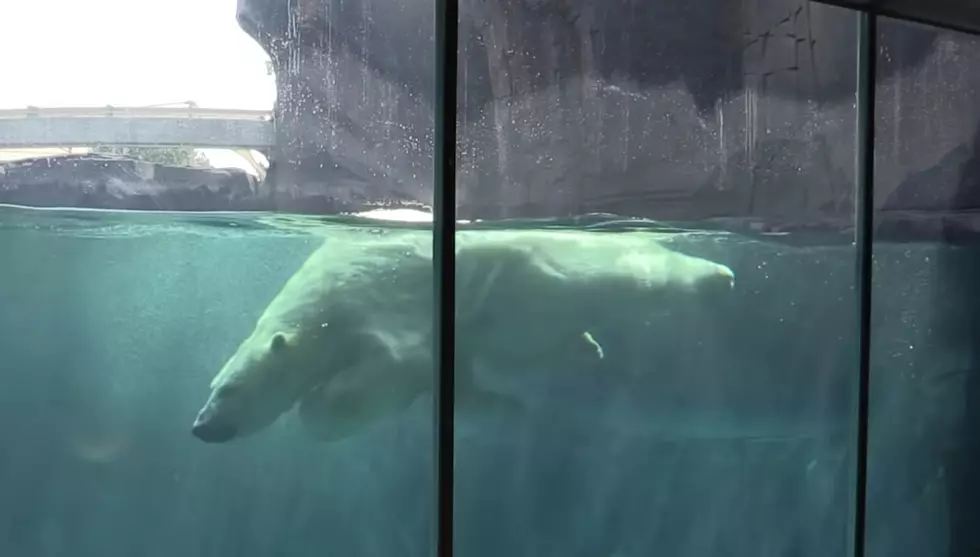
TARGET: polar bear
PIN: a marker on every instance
(348, 339)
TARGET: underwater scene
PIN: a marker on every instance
(192, 384)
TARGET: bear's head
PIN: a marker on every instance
(260, 382)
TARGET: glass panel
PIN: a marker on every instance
(203, 365)
(657, 324)
(922, 486)
(964, 16)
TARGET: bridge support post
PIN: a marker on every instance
(250, 159)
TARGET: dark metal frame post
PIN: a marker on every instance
(444, 263)
(864, 206)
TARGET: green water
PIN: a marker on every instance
(725, 429)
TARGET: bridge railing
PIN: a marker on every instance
(137, 112)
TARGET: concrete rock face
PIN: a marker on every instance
(657, 109)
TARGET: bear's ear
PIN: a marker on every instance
(278, 341)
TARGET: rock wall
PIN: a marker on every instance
(658, 109)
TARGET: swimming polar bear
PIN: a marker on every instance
(349, 337)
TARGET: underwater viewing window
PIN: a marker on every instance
(480, 279)
(961, 15)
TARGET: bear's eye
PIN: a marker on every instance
(278, 341)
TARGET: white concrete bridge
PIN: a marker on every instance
(214, 128)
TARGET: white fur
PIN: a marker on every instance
(356, 319)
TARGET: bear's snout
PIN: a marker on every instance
(209, 429)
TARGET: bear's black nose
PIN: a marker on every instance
(210, 431)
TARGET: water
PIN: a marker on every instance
(722, 429)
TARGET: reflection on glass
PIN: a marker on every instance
(666, 359)
(922, 487)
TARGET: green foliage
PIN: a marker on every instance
(170, 156)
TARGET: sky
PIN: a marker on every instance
(58, 53)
